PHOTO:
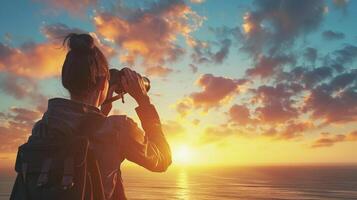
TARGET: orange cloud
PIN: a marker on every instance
(43, 60)
(216, 90)
(197, 1)
(352, 136)
(173, 129)
(15, 127)
(149, 34)
(217, 133)
(326, 140)
(158, 71)
(57, 32)
(32, 60)
(240, 114)
(294, 130)
(184, 106)
(250, 25)
(77, 7)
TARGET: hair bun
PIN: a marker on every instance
(80, 43)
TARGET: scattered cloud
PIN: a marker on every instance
(216, 90)
(310, 54)
(240, 114)
(333, 106)
(214, 134)
(274, 25)
(16, 86)
(173, 129)
(15, 127)
(327, 142)
(268, 66)
(197, 1)
(330, 140)
(162, 22)
(293, 89)
(23, 88)
(193, 68)
(203, 53)
(158, 71)
(341, 5)
(291, 130)
(33, 60)
(345, 55)
(57, 32)
(294, 130)
(184, 106)
(275, 104)
(333, 35)
(76, 8)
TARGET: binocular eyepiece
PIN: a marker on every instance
(115, 79)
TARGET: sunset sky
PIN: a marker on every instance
(234, 82)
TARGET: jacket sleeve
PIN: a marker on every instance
(150, 149)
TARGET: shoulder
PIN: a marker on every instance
(125, 126)
(37, 127)
(120, 121)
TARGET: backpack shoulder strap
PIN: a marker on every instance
(95, 186)
(95, 177)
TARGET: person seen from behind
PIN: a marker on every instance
(54, 165)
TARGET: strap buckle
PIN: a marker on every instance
(45, 169)
(68, 171)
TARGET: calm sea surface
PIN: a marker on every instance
(303, 182)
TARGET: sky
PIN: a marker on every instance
(235, 82)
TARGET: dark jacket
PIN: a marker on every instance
(115, 139)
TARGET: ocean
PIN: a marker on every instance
(275, 182)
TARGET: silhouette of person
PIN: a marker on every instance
(85, 75)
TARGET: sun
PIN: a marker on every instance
(182, 155)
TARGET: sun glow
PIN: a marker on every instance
(182, 155)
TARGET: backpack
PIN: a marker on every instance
(57, 170)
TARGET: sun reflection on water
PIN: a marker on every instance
(182, 184)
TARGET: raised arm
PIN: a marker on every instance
(151, 149)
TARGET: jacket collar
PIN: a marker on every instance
(73, 105)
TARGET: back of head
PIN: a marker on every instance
(84, 65)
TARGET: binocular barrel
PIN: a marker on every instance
(115, 79)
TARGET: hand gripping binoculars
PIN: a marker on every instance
(115, 79)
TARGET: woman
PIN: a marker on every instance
(85, 75)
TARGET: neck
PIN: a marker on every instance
(92, 100)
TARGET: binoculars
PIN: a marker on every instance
(115, 79)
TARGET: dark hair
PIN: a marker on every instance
(84, 65)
